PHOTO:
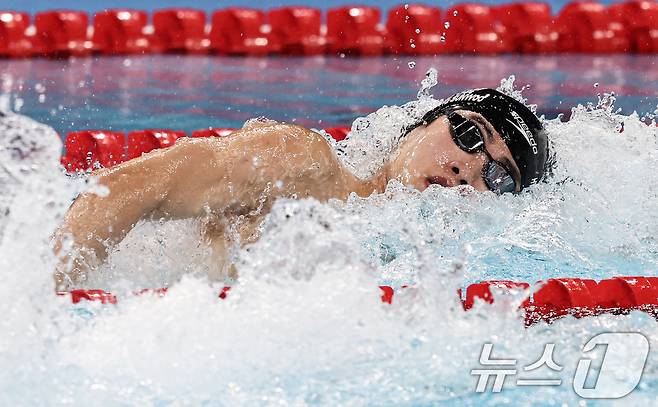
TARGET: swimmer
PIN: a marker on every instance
(480, 138)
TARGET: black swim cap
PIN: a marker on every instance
(517, 124)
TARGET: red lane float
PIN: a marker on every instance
(473, 29)
(105, 297)
(483, 291)
(143, 141)
(561, 297)
(90, 295)
(530, 28)
(14, 43)
(61, 33)
(590, 28)
(577, 297)
(180, 31)
(297, 30)
(556, 298)
(120, 31)
(640, 20)
(387, 294)
(354, 31)
(414, 29)
(238, 31)
(338, 133)
(86, 150)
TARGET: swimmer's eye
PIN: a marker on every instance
(496, 175)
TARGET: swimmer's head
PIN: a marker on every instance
(479, 137)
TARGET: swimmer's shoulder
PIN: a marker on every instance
(268, 133)
(285, 131)
(257, 137)
(292, 137)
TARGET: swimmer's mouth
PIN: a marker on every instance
(437, 180)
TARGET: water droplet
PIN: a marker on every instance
(18, 104)
(411, 64)
(447, 24)
(417, 30)
(428, 83)
(596, 85)
(454, 13)
(406, 6)
(413, 45)
(443, 38)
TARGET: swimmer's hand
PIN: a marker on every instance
(237, 176)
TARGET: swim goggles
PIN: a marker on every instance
(468, 137)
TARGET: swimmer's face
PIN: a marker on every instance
(429, 155)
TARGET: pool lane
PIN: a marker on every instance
(194, 92)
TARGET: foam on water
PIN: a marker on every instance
(305, 324)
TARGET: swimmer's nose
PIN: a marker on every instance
(467, 172)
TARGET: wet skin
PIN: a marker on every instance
(231, 183)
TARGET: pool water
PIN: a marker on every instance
(194, 92)
(305, 325)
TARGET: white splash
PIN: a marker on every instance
(305, 325)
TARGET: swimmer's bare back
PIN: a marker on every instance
(219, 181)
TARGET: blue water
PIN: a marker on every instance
(194, 92)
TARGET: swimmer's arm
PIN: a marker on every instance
(195, 177)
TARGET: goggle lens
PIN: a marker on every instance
(498, 179)
(465, 133)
